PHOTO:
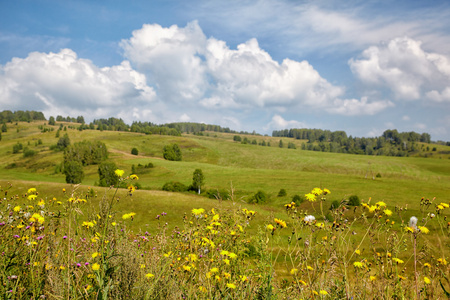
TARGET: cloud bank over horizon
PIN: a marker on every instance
(178, 73)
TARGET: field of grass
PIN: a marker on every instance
(245, 169)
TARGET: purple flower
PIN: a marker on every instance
(64, 237)
(2, 223)
(78, 265)
(86, 264)
(40, 237)
(16, 236)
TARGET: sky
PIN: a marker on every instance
(358, 66)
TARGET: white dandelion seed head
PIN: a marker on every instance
(413, 222)
(309, 219)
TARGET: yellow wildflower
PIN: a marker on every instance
(32, 197)
(119, 172)
(187, 268)
(426, 280)
(134, 177)
(243, 278)
(442, 261)
(17, 208)
(95, 254)
(270, 227)
(357, 251)
(423, 229)
(96, 267)
(317, 191)
(372, 278)
(293, 271)
(326, 191)
(149, 275)
(358, 264)
(280, 222)
(427, 265)
(323, 292)
(387, 212)
(214, 270)
(197, 211)
(398, 260)
(310, 197)
(380, 204)
(231, 285)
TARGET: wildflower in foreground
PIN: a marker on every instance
(397, 260)
(323, 292)
(149, 275)
(310, 197)
(96, 267)
(387, 212)
(309, 219)
(358, 264)
(424, 229)
(413, 222)
(231, 285)
(197, 211)
(119, 172)
(426, 280)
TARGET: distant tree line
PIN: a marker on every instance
(390, 143)
(21, 116)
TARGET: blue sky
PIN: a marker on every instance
(361, 66)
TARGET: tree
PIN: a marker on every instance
(51, 120)
(0, 136)
(73, 171)
(172, 152)
(4, 127)
(107, 175)
(198, 180)
(280, 144)
(134, 151)
(63, 142)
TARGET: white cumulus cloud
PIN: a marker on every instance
(60, 82)
(406, 69)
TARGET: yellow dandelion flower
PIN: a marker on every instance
(426, 280)
(326, 191)
(372, 277)
(202, 289)
(96, 267)
(302, 282)
(187, 268)
(387, 212)
(232, 255)
(231, 285)
(293, 271)
(442, 261)
(427, 265)
(358, 264)
(380, 204)
(243, 278)
(119, 173)
(423, 229)
(95, 254)
(32, 197)
(310, 268)
(317, 191)
(445, 205)
(270, 227)
(17, 208)
(134, 177)
(281, 223)
(197, 211)
(401, 277)
(357, 251)
(323, 292)
(310, 197)
(214, 270)
(193, 257)
(397, 260)
(149, 275)
(226, 261)
(409, 229)
(31, 191)
(142, 266)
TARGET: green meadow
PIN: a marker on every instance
(243, 170)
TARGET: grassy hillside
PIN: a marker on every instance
(377, 234)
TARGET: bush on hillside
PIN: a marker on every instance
(172, 152)
(354, 201)
(174, 186)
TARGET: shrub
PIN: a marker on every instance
(174, 186)
(172, 152)
(335, 204)
(354, 201)
(107, 175)
(73, 171)
(29, 152)
(134, 151)
(378, 175)
(297, 199)
(282, 193)
(218, 194)
(259, 197)
(17, 147)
